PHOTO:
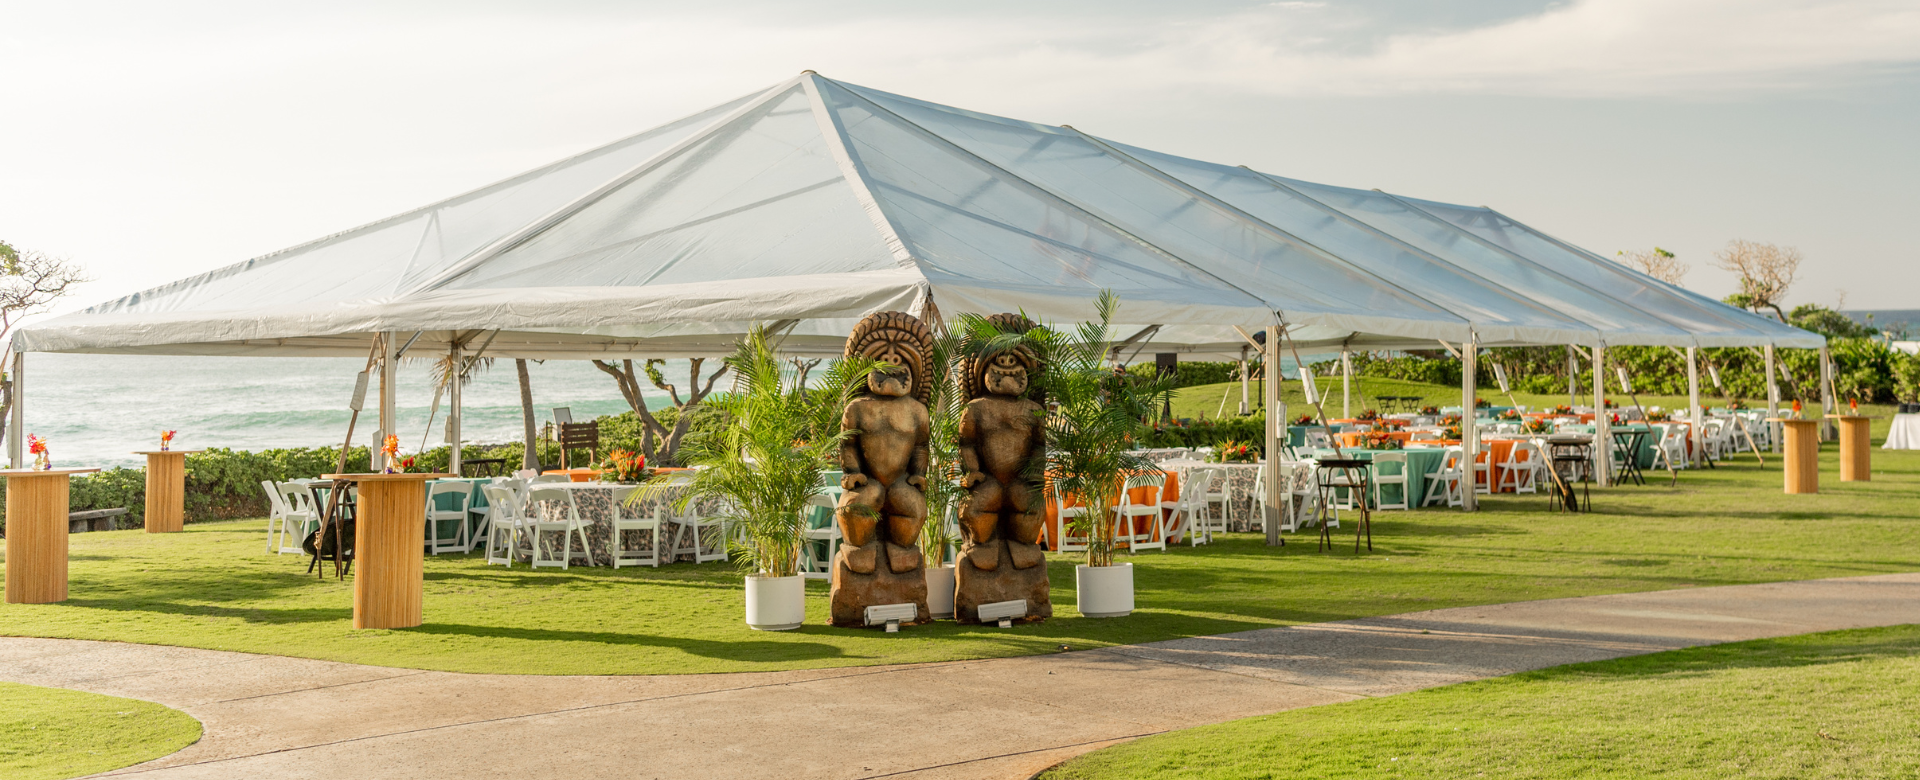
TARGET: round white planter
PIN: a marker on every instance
(776, 603)
(1104, 591)
(940, 591)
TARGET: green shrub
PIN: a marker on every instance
(1196, 373)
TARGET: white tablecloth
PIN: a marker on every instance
(1904, 434)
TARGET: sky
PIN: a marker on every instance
(149, 142)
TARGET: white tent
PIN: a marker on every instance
(815, 202)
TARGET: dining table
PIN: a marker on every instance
(1422, 462)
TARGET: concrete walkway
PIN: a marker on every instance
(268, 716)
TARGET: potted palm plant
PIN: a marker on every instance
(945, 404)
(1094, 413)
(764, 465)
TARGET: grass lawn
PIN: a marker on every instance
(1837, 704)
(213, 586)
(54, 733)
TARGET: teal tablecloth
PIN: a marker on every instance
(476, 521)
(1421, 461)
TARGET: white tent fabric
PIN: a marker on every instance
(816, 202)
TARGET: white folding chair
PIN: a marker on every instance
(300, 517)
(276, 512)
(1300, 497)
(540, 499)
(1381, 478)
(1155, 535)
(704, 538)
(1446, 479)
(655, 526)
(460, 494)
(1191, 512)
(505, 523)
(1067, 514)
(1521, 470)
(812, 565)
(1482, 467)
(1317, 439)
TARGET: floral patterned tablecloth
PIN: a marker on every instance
(594, 501)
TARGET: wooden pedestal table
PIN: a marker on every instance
(390, 525)
(1856, 448)
(1802, 452)
(166, 489)
(37, 534)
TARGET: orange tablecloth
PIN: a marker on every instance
(576, 475)
(1170, 493)
(1496, 452)
(1353, 438)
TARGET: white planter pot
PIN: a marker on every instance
(776, 603)
(1104, 591)
(940, 591)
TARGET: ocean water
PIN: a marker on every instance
(96, 410)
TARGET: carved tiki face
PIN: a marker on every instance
(1005, 374)
(902, 342)
(898, 380)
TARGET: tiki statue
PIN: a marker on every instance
(1002, 455)
(884, 462)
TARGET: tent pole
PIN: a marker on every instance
(1276, 439)
(388, 356)
(1602, 424)
(1828, 404)
(17, 438)
(1469, 431)
(1773, 402)
(453, 412)
(1694, 414)
(1346, 383)
(1244, 408)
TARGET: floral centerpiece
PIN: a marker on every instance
(1451, 419)
(1379, 440)
(166, 438)
(1481, 403)
(1452, 432)
(37, 445)
(1608, 403)
(1236, 452)
(1536, 426)
(1563, 409)
(1429, 410)
(627, 467)
(1853, 407)
(390, 454)
(1660, 416)
(1305, 419)
(1510, 414)
(1368, 415)
(1796, 409)
(1736, 405)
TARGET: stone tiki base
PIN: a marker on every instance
(854, 592)
(973, 587)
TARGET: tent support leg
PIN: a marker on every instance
(1773, 401)
(1829, 431)
(17, 437)
(1469, 431)
(453, 412)
(1573, 377)
(1244, 406)
(1694, 413)
(1346, 383)
(389, 355)
(1602, 424)
(1276, 439)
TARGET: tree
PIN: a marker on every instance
(1657, 263)
(1766, 271)
(530, 456)
(29, 282)
(662, 444)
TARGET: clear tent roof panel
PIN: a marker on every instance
(966, 223)
(386, 257)
(1712, 323)
(1500, 315)
(1069, 167)
(758, 197)
(1618, 321)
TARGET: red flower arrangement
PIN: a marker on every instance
(1537, 425)
(1368, 414)
(1236, 452)
(625, 466)
(1563, 409)
(1379, 440)
(1305, 419)
(166, 438)
(1481, 403)
(1429, 410)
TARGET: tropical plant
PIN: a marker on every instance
(765, 465)
(661, 434)
(946, 401)
(1094, 414)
